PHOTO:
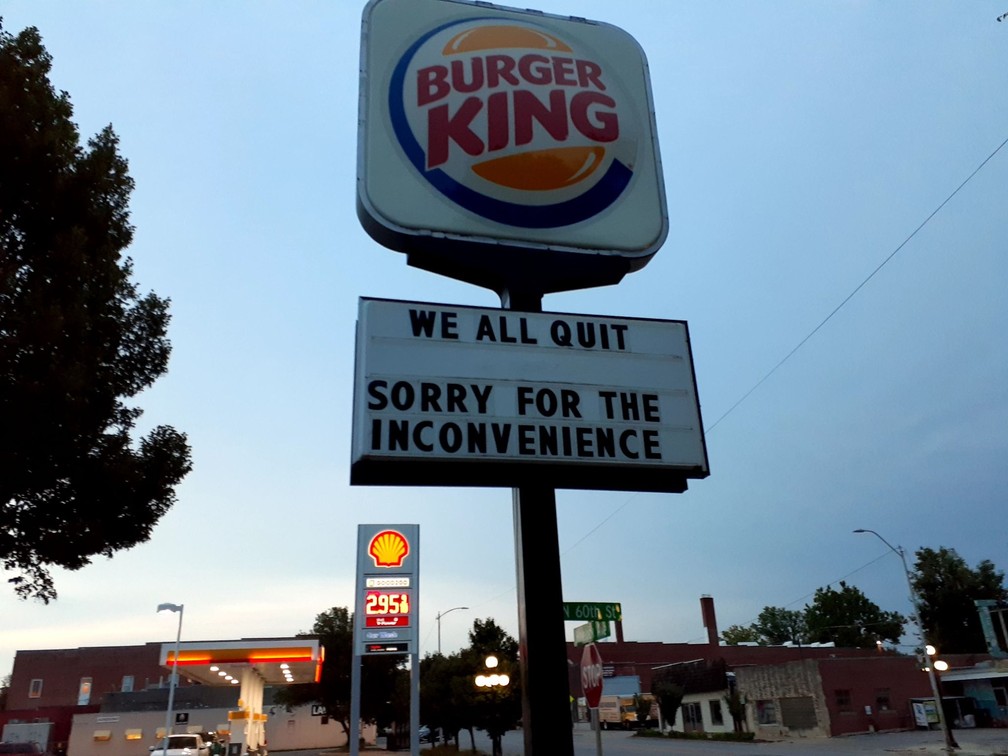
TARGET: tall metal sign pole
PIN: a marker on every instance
(542, 656)
(386, 606)
(517, 151)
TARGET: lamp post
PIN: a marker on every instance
(439, 616)
(174, 673)
(493, 681)
(950, 742)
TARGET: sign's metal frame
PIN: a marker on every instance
(397, 566)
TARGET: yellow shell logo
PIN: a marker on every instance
(388, 549)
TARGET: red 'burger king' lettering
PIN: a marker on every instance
(591, 113)
(499, 103)
(434, 82)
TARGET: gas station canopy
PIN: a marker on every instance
(278, 661)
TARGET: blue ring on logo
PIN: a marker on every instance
(565, 213)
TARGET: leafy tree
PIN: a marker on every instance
(76, 340)
(736, 704)
(735, 634)
(777, 625)
(669, 695)
(449, 698)
(642, 708)
(446, 693)
(774, 626)
(850, 619)
(497, 709)
(947, 588)
(4, 691)
(334, 629)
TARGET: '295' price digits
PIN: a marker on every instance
(386, 602)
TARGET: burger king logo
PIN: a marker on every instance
(510, 121)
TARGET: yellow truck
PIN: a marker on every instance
(620, 712)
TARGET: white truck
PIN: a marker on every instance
(189, 744)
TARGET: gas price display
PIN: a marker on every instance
(386, 603)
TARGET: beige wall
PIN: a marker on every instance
(774, 682)
(284, 731)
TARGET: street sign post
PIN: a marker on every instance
(586, 611)
(591, 632)
(591, 686)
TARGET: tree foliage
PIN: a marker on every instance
(76, 340)
(947, 588)
(774, 626)
(670, 696)
(449, 698)
(736, 704)
(735, 634)
(850, 619)
(777, 625)
(380, 694)
(845, 616)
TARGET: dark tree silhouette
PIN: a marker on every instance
(76, 340)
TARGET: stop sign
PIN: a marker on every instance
(591, 675)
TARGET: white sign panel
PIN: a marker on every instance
(487, 131)
(466, 396)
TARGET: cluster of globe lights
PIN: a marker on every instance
(940, 664)
(494, 680)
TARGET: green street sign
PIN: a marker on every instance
(586, 611)
(591, 632)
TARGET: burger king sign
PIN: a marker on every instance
(505, 147)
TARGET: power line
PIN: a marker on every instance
(858, 288)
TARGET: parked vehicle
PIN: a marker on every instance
(191, 744)
(620, 712)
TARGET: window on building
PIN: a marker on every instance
(766, 712)
(84, 692)
(843, 699)
(883, 700)
(1001, 696)
(127, 684)
(798, 713)
(35, 689)
(716, 717)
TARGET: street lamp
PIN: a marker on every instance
(493, 682)
(439, 616)
(174, 672)
(950, 742)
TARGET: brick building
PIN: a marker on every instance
(83, 676)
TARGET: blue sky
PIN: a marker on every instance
(802, 143)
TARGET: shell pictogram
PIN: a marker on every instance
(388, 549)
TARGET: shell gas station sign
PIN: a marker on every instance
(497, 144)
(387, 589)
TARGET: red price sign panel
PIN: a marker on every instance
(387, 608)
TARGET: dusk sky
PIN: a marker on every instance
(803, 145)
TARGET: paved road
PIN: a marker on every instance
(973, 743)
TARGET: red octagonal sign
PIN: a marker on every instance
(591, 675)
